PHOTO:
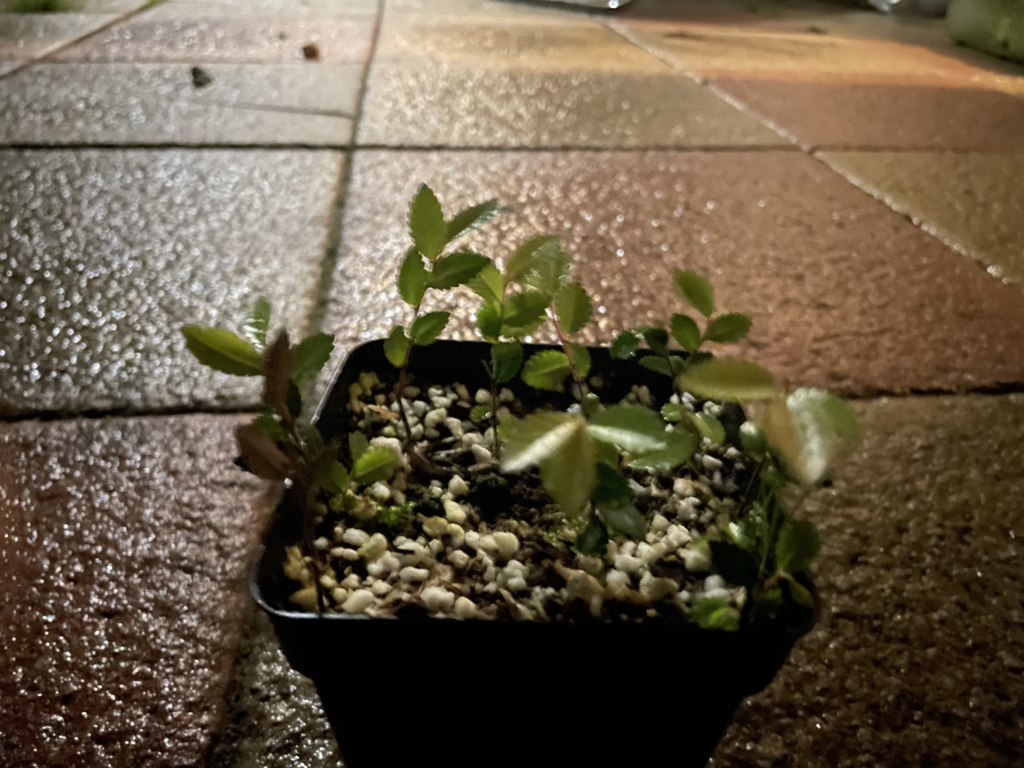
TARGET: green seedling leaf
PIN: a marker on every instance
(506, 359)
(736, 566)
(309, 358)
(623, 519)
(611, 487)
(715, 613)
(686, 332)
(223, 351)
(681, 446)
(488, 284)
(488, 320)
(728, 328)
(522, 261)
(573, 307)
(375, 464)
(709, 426)
(413, 278)
(426, 328)
(507, 426)
(630, 427)
(479, 412)
(548, 272)
(626, 345)
(732, 380)
(262, 457)
(752, 438)
(397, 346)
(546, 370)
(580, 359)
(524, 313)
(656, 338)
(256, 325)
(357, 445)
(469, 219)
(457, 269)
(426, 223)
(697, 291)
(673, 412)
(536, 439)
(569, 475)
(661, 365)
(593, 540)
(338, 477)
(797, 546)
(799, 593)
(270, 427)
(606, 453)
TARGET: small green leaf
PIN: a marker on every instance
(489, 284)
(715, 613)
(413, 278)
(375, 464)
(546, 370)
(752, 438)
(697, 291)
(506, 358)
(593, 540)
(223, 351)
(733, 380)
(507, 426)
(397, 346)
(309, 358)
(524, 313)
(536, 438)
(734, 564)
(569, 475)
(580, 359)
(799, 593)
(480, 412)
(606, 453)
(548, 271)
(681, 446)
(426, 328)
(270, 427)
(468, 219)
(256, 325)
(624, 519)
(728, 328)
(338, 477)
(426, 223)
(357, 444)
(611, 487)
(709, 426)
(626, 345)
(656, 338)
(630, 427)
(457, 269)
(488, 320)
(686, 332)
(797, 546)
(673, 412)
(573, 307)
(661, 365)
(525, 256)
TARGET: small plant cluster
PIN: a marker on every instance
(589, 455)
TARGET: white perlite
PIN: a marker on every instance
(457, 486)
(358, 601)
(411, 574)
(437, 599)
(355, 537)
(454, 512)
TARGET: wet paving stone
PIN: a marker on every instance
(124, 547)
(242, 104)
(106, 254)
(25, 36)
(886, 117)
(844, 292)
(973, 201)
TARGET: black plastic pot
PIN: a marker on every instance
(424, 692)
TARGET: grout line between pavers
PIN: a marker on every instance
(350, 147)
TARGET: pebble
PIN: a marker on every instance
(358, 601)
(457, 487)
(677, 536)
(482, 397)
(433, 434)
(473, 539)
(506, 544)
(472, 438)
(714, 582)
(417, 432)
(465, 608)
(380, 491)
(459, 559)
(380, 589)
(419, 408)
(393, 444)
(435, 417)
(411, 574)
(481, 454)
(656, 588)
(683, 486)
(462, 391)
(696, 560)
(457, 535)
(352, 581)
(345, 553)
(516, 584)
(454, 426)
(355, 537)
(617, 580)
(659, 523)
(411, 391)
(376, 546)
(628, 563)
(506, 395)
(322, 543)
(339, 595)
(437, 599)
(718, 594)
(435, 527)
(711, 463)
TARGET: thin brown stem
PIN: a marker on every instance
(403, 375)
(580, 391)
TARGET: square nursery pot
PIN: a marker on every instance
(427, 691)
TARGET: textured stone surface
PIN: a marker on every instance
(844, 292)
(274, 717)
(159, 104)
(25, 36)
(918, 661)
(124, 547)
(886, 117)
(107, 253)
(973, 201)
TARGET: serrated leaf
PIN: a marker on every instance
(678, 450)
(506, 359)
(548, 271)
(569, 474)
(611, 487)
(257, 323)
(488, 284)
(686, 332)
(661, 365)
(728, 328)
(309, 358)
(457, 269)
(735, 565)
(656, 338)
(673, 412)
(730, 379)
(573, 307)
(338, 477)
(626, 345)
(262, 457)
(396, 347)
(709, 426)
(630, 427)
(480, 412)
(488, 320)
(537, 438)
(715, 613)
(593, 540)
(524, 313)
(269, 426)
(375, 464)
(580, 359)
(468, 219)
(625, 519)
(524, 257)
(797, 546)
(426, 328)
(426, 223)
(223, 351)
(696, 290)
(357, 444)
(546, 370)
(413, 278)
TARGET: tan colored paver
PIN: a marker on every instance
(26, 36)
(973, 201)
(844, 292)
(124, 552)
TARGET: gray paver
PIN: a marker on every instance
(25, 36)
(108, 253)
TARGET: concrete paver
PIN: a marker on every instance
(972, 201)
(108, 253)
(124, 545)
(26, 36)
(844, 293)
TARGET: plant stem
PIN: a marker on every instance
(580, 392)
(403, 374)
(494, 414)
